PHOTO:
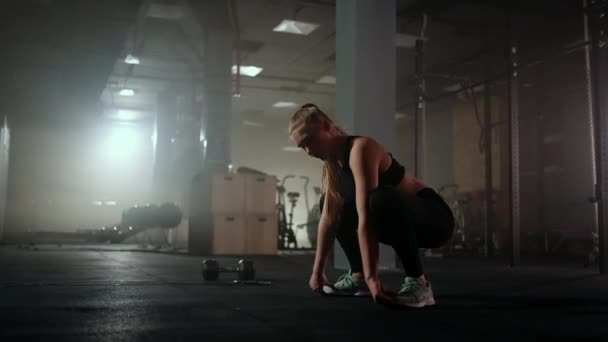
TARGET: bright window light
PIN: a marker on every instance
(121, 143)
(130, 59)
(296, 27)
(283, 104)
(327, 80)
(127, 92)
(126, 114)
(247, 70)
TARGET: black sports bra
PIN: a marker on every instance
(391, 177)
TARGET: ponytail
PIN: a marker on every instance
(310, 115)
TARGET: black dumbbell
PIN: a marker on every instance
(211, 270)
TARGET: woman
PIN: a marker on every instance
(368, 198)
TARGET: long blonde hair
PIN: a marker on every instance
(312, 117)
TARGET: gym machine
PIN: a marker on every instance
(287, 237)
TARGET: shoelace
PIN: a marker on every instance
(410, 286)
(347, 279)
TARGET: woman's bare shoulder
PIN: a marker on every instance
(367, 143)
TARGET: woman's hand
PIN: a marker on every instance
(317, 281)
(380, 295)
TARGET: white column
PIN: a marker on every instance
(365, 68)
(365, 80)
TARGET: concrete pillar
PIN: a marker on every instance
(365, 68)
(179, 149)
(165, 128)
(5, 139)
(216, 103)
(219, 42)
(218, 97)
(365, 80)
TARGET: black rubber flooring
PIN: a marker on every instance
(77, 293)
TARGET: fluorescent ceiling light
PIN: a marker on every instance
(284, 104)
(296, 27)
(130, 59)
(291, 149)
(327, 80)
(247, 70)
(127, 92)
(252, 123)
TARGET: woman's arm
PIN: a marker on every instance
(365, 163)
(325, 235)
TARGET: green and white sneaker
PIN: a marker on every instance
(347, 285)
(414, 293)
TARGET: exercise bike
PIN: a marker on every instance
(286, 237)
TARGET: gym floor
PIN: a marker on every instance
(83, 293)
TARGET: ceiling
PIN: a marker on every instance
(70, 54)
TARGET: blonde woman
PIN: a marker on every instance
(368, 198)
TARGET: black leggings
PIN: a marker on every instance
(405, 222)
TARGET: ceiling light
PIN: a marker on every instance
(252, 124)
(247, 70)
(327, 80)
(283, 104)
(295, 27)
(127, 92)
(291, 149)
(130, 59)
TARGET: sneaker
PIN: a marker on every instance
(348, 285)
(414, 293)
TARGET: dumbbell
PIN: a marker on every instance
(211, 270)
